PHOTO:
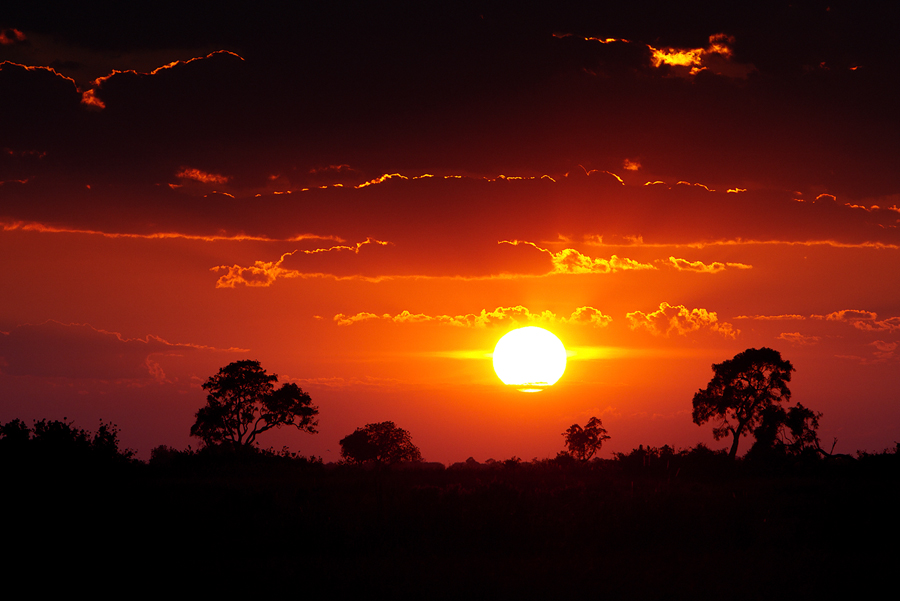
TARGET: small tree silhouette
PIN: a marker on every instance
(741, 392)
(582, 443)
(243, 403)
(382, 443)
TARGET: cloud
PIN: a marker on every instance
(591, 316)
(798, 338)
(863, 320)
(499, 316)
(680, 320)
(201, 176)
(89, 96)
(12, 226)
(264, 273)
(889, 325)
(885, 350)
(571, 261)
(786, 317)
(851, 315)
(716, 57)
(10, 37)
(80, 351)
(701, 267)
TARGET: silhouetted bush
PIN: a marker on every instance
(54, 443)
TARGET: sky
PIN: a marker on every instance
(365, 197)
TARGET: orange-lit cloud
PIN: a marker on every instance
(201, 176)
(89, 95)
(571, 261)
(851, 315)
(861, 320)
(678, 319)
(89, 98)
(715, 57)
(12, 226)
(9, 37)
(264, 273)
(884, 325)
(100, 80)
(589, 316)
(798, 338)
(38, 68)
(630, 165)
(499, 316)
(786, 317)
(701, 267)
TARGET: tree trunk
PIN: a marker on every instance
(734, 445)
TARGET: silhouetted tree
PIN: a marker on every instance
(582, 443)
(382, 443)
(787, 432)
(741, 391)
(243, 403)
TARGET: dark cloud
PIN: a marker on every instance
(79, 351)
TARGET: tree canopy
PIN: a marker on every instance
(583, 443)
(243, 403)
(382, 443)
(741, 391)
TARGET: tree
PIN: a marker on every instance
(787, 432)
(243, 403)
(582, 443)
(382, 443)
(741, 392)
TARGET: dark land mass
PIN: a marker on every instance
(652, 524)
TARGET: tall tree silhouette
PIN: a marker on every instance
(243, 403)
(382, 443)
(741, 392)
(583, 443)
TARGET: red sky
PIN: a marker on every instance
(366, 200)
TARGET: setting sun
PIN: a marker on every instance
(529, 358)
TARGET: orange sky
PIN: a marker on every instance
(660, 193)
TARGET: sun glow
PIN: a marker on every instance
(530, 359)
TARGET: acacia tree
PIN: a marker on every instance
(382, 443)
(582, 443)
(741, 392)
(243, 403)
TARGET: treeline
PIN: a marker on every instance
(61, 443)
(653, 523)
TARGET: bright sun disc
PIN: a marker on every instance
(529, 358)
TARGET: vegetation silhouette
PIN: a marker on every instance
(381, 443)
(243, 403)
(60, 443)
(742, 392)
(584, 443)
(647, 523)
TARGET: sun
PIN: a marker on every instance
(530, 359)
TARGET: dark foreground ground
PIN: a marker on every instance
(623, 529)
